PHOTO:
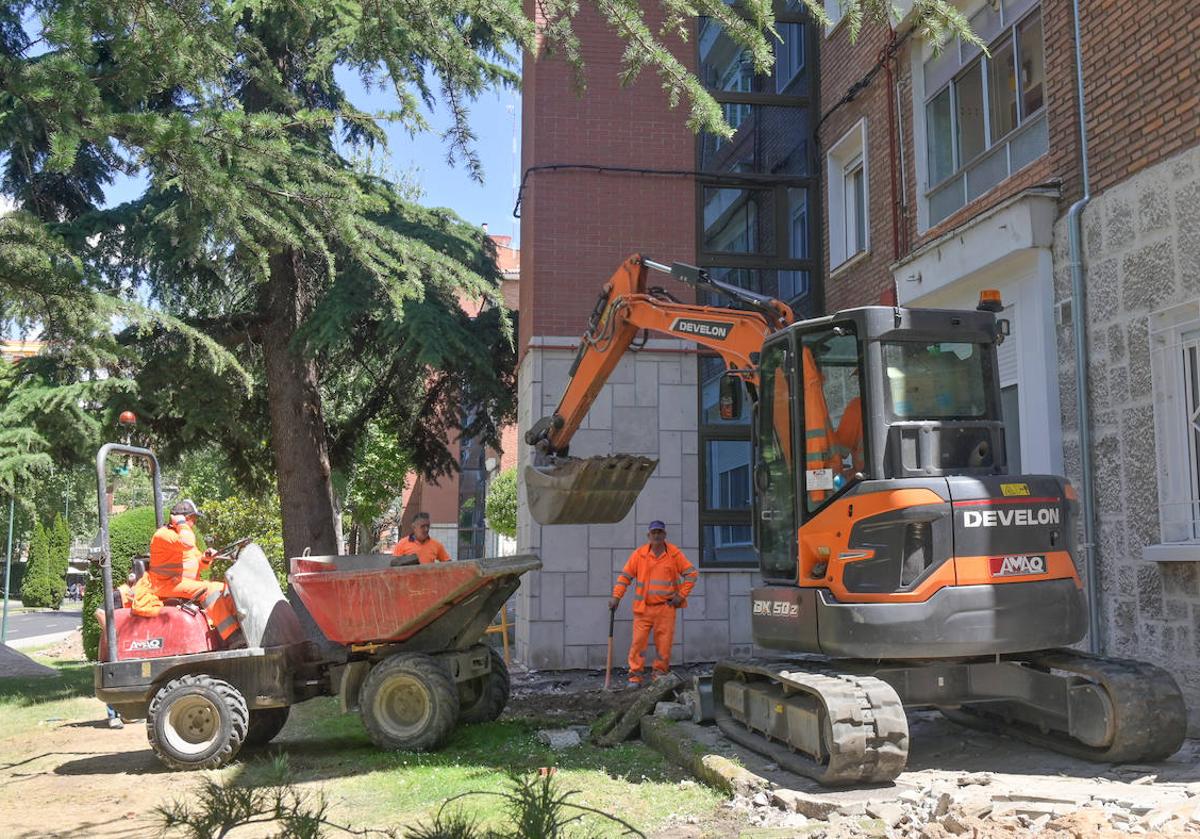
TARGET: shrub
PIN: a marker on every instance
(501, 510)
(128, 536)
(239, 517)
(37, 587)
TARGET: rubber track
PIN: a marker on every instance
(1150, 714)
(865, 725)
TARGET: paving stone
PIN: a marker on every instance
(559, 738)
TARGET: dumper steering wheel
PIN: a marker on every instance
(231, 550)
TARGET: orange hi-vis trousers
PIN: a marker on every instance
(659, 620)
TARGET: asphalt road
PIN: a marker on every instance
(32, 624)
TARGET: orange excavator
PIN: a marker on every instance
(902, 564)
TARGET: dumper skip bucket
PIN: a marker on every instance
(594, 490)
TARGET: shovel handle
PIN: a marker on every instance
(612, 616)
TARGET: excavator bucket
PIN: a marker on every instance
(594, 490)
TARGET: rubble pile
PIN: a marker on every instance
(978, 806)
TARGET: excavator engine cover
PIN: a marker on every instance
(594, 490)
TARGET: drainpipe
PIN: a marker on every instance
(1079, 322)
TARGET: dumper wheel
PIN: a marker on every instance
(197, 722)
(265, 723)
(409, 702)
(483, 699)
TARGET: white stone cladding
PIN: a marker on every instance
(649, 406)
(1142, 252)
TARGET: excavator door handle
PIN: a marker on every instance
(762, 476)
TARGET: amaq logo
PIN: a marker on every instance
(704, 328)
(1012, 566)
(1011, 518)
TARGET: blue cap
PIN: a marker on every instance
(657, 525)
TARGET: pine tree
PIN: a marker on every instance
(36, 586)
(60, 558)
(299, 301)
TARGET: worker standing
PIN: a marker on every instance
(427, 549)
(175, 567)
(663, 578)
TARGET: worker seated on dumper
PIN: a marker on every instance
(175, 567)
(427, 549)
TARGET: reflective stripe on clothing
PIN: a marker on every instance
(658, 578)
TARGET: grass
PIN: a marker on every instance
(26, 703)
(329, 752)
(396, 788)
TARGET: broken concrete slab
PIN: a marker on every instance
(559, 738)
(889, 812)
(649, 696)
(809, 806)
(673, 710)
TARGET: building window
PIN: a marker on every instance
(833, 10)
(789, 55)
(984, 114)
(1175, 367)
(754, 202)
(849, 221)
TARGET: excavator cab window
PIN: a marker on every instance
(834, 438)
(775, 465)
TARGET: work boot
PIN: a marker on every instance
(635, 681)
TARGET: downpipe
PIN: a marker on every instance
(1079, 324)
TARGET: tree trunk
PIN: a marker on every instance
(298, 438)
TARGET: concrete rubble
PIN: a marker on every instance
(1030, 791)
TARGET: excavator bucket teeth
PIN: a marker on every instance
(594, 490)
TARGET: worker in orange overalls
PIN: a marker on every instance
(664, 579)
(427, 549)
(175, 567)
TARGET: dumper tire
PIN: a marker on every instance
(197, 722)
(265, 724)
(409, 702)
(487, 696)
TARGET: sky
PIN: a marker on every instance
(495, 120)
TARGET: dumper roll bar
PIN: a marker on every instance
(110, 628)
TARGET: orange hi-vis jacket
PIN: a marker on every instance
(657, 578)
(174, 555)
(428, 552)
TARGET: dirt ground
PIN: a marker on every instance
(72, 776)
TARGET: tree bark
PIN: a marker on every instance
(298, 434)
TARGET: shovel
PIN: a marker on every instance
(612, 616)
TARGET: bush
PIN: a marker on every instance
(37, 588)
(129, 535)
(239, 517)
(501, 511)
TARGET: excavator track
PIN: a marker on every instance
(863, 731)
(1148, 717)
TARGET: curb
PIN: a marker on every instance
(664, 737)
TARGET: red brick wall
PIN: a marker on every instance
(842, 65)
(577, 227)
(1142, 80)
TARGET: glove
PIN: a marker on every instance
(613, 602)
(676, 601)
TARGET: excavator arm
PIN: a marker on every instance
(564, 490)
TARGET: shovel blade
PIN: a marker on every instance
(594, 490)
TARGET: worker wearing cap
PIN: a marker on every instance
(175, 567)
(663, 579)
(427, 549)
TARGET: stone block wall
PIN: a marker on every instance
(1142, 251)
(649, 406)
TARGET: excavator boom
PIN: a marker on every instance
(566, 490)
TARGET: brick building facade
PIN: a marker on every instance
(986, 155)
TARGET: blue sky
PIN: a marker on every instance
(494, 117)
